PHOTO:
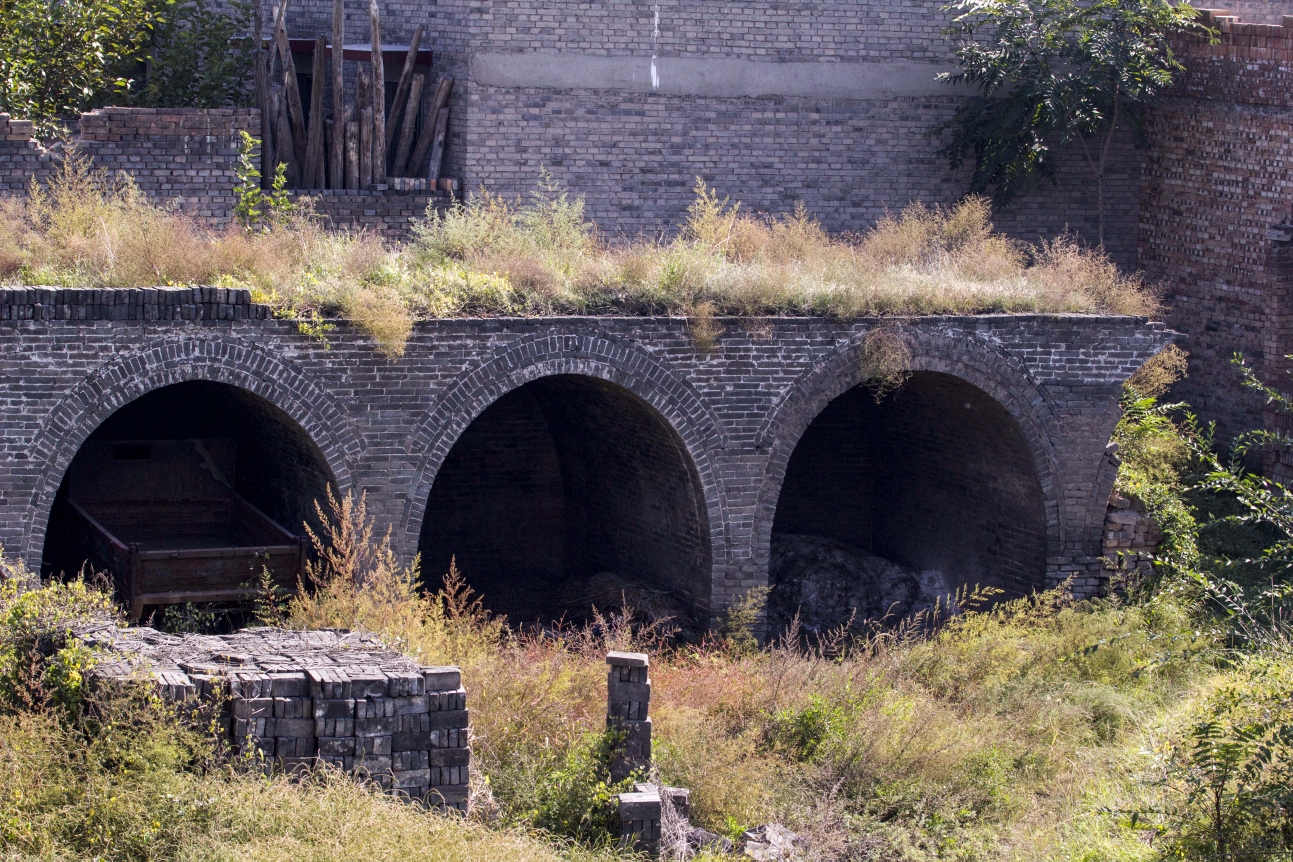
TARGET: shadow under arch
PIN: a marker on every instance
(950, 478)
(630, 368)
(566, 493)
(167, 361)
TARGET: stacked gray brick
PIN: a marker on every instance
(306, 699)
(628, 701)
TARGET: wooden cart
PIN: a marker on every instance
(162, 517)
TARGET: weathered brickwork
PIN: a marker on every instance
(389, 214)
(1217, 178)
(736, 414)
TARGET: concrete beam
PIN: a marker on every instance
(723, 78)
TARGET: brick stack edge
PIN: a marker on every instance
(306, 699)
(628, 700)
(145, 303)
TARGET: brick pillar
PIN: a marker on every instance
(628, 698)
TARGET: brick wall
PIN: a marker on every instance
(70, 359)
(1217, 177)
(389, 213)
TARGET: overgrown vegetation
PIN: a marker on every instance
(58, 59)
(490, 256)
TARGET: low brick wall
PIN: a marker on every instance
(389, 214)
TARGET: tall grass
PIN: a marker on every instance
(490, 256)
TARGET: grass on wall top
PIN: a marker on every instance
(542, 257)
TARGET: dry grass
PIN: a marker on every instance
(1001, 736)
(495, 257)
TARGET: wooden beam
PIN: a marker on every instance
(338, 94)
(314, 137)
(352, 149)
(437, 148)
(379, 95)
(262, 97)
(427, 137)
(366, 148)
(399, 166)
(294, 113)
(401, 90)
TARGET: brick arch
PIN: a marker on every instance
(1004, 379)
(131, 374)
(613, 360)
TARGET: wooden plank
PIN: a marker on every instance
(401, 92)
(295, 114)
(366, 148)
(427, 137)
(217, 553)
(338, 94)
(285, 154)
(262, 97)
(378, 95)
(399, 166)
(314, 137)
(352, 149)
(437, 148)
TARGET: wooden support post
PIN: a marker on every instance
(366, 148)
(329, 142)
(427, 136)
(314, 156)
(437, 148)
(295, 114)
(338, 95)
(401, 91)
(352, 150)
(399, 166)
(378, 96)
(363, 84)
(262, 98)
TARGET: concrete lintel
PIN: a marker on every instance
(717, 77)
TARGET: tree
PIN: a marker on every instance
(59, 57)
(1055, 71)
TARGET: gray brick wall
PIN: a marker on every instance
(386, 425)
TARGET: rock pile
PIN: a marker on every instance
(826, 581)
(306, 698)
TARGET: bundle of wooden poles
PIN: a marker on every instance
(358, 146)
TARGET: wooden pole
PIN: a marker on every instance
(366, 148)
(437, 148)
(283, 132)
(314, 137)
(378, 96)
(295, 114)
(401, 90)
(262, 98)
(338, 94)
(352, 149)
(399, 166)
(431, 120)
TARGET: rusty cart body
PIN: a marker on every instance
(163, 518)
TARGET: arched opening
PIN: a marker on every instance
(570, 492)
(186, 494)
(886, 506)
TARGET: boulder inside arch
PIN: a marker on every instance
(566, 493)
(887, 506)
(186, 468)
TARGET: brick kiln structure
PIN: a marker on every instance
(556, 457)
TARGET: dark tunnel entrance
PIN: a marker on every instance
(886, 506)
(185, 494)
(566, 493)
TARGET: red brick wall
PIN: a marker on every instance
(1216, 178)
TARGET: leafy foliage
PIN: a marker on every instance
(59, 58)
(196, 59)
(1053, 71)
(253, 207)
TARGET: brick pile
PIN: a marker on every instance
(302, 699)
